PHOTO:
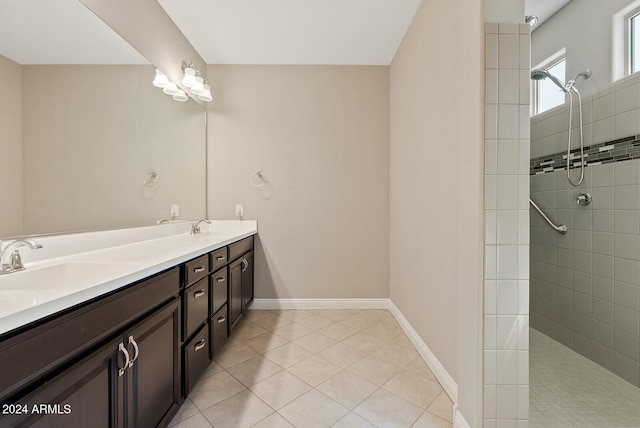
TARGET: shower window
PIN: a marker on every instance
(634, 43)
(546, 94)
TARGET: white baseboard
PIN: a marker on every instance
(262, 304)
(445, 379)
(458, 420)
(443, 376)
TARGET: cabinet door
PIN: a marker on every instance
(153, 380)
(235, 291)
(247, 280)
(84, 395)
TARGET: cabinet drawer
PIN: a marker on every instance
(219, 258)
(239, 248)
(219, 281)
(196, 307)
(196, 358)
(196, 269)
(44, 347)
(219, 328)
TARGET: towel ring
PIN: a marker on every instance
(259, 182)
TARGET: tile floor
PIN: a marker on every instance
(568, 390)
(317, 368)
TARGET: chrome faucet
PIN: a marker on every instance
(15, 264)
(195, 227)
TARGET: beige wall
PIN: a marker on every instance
(320, 136)
(91, 133)
(436, 188)
(11, 145)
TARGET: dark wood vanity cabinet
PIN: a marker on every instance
(126, 375)
(126, 359)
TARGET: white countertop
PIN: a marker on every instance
(92, 268)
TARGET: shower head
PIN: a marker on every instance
(539, 74)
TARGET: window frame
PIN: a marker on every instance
(548, 63)
(628, 41)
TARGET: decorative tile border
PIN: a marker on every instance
(612, 151)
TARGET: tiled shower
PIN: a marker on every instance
(585, 285)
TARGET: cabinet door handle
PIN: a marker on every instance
(199, 269)
(200, 345)
(245, 265)
(123, 349)
(221, 279)
(136, 349)
(220, 258)
(222, 319)
(198, 293)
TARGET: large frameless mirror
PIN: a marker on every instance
(86, 141)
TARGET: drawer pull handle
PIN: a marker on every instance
(200, 345)
(222, 319)
(245, 265)
(220, 258)
(136, 349)
(123, 349)
(198, 293)
(221, 279)
(199, 269)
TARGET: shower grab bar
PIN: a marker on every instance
(562, 229)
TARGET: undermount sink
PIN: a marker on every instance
(61, 276)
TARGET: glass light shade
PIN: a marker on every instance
(198, 88)
(189, 79)
(181, 96)
(206, 95)
(171, 89)
(161, 80)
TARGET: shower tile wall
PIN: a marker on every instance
(585, 285)
(506, 309)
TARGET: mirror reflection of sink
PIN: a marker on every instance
(69, 276)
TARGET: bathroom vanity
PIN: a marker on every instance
(129, 352)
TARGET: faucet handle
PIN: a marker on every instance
(16, 261)
(195, 227)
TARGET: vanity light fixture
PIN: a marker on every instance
(171, 89)
(193, 79)
(198, 88)
(161, 80)
(189, 79)
(206, 96)
(168, 87)
(196, 82)
(181, 96)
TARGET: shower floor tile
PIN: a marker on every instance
(568, 390)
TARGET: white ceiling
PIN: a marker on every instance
(59, 32)
(365, 32)
(543, 9)
(224, 32)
